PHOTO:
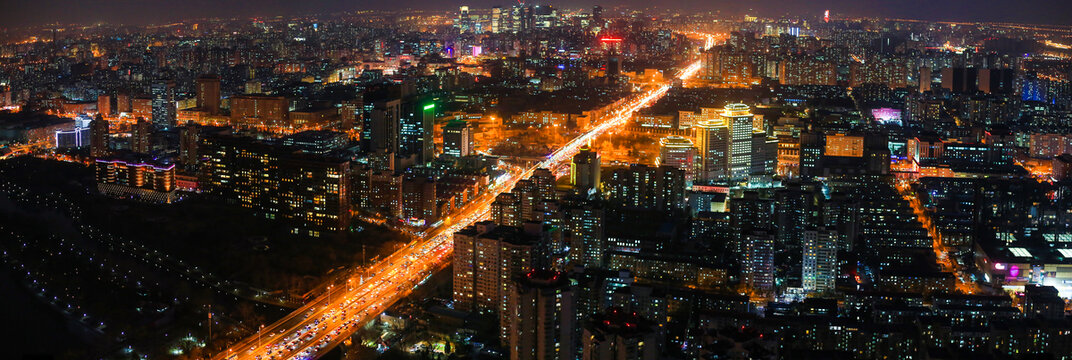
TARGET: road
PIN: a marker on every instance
(330, 319)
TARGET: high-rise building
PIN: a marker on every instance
(487, 257)
(163, 103)
(271, 112)
(739, 118)
(383, 130)
(415, 130)
(713, 140)
(925, 79)
(583, 225)
(141, 137)
(419, 200)
(496, 19)
(308, 191)
(584, 171)
(506, 209)
(540, 317)
(98, 137)
(457, 138)
(189, 141)
(645, 187)
(819, 263)
(757, 262)
(619, 335)
(208, 93)
(104, 105)
(679, 152)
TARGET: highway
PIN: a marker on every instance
(315, 328)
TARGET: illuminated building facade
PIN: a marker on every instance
(457, 138)
(739, 118)
(713, 141)
(679, 152)
(133, 176)
(585, 170)
(163, 103)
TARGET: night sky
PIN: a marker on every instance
(35, 12)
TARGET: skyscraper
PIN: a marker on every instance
(739, 118)
(104, 105)
(645, 187)
(679, 152)
(208, 93)
(487, 257)
(384, 126)
(457, 138)
(141, 137)
(163, 103)
(540, 317)
(496, 19)
(712, 139)
(583, 228)
(820, 260)
(189, 140)
(415, 130)
(584, 171)
(757, 262)
(98, 137)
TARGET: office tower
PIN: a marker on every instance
(584, 171)
(208, 93)
(812, 146)
(793, 207)
(713, 140)
(163, 103)
(619, 335)
(757, 262)
(819, 265)
(415, 131)
(350, 114)
(104, 105)
(189, 140)
(309, 192)
(614, 65)
(540, 317)
(646, 187)
(141, 137)
(271, 112)
(925, 79)
(457, 138)
(488, 256)
(419, 200)
(739, 118)
(496, 19)
(584, 232)
(383, 130)
(98, 137)
(680, 153)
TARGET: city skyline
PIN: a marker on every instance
(38, 13)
